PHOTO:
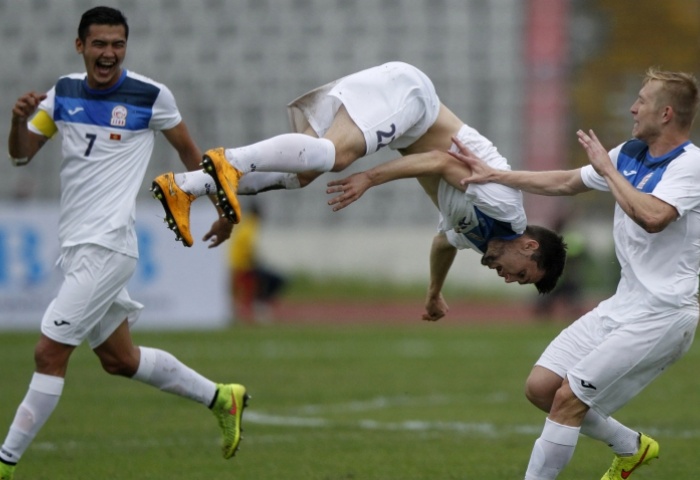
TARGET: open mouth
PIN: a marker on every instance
(104, 68)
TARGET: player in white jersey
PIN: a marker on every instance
(605, 358)
(392, 105)
(107, 118)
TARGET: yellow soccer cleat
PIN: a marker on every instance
(226, 177)
(6, 471)
(622, 467)
(228, 409)
(176, 203)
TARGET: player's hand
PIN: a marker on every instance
(26, 105)
(480, 171)
(597, 154)
(435, 308)
(220, 232)
(350, 189)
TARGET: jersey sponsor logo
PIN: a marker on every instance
(115, 136)
(586, 384)
(118, 116)
(60, 323)
(75, 110)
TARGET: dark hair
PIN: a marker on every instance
(101, 16)
(550, 256)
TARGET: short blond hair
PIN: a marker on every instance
(680, 91)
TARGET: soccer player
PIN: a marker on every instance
(392, 105)
(605, 358)
(107, 118)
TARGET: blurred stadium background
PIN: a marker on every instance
(526, 73)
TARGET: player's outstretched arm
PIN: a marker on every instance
(442, 254)
(548, 183)
(411, 166)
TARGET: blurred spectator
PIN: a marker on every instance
(254, 286)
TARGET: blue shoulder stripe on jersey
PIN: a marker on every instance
(488, 229)
(641, 169)
(78, 103)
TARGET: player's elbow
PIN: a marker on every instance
(652, 227)
(654, 217)
(653, 223)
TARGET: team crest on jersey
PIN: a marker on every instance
(644, 181)
(118, 116)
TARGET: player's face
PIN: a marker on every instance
(103, 52)
(512, 263)
(646, 112)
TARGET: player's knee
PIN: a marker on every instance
(121, 366)
(51, 358)
(342, 162)
(538, 398)
(567, 405)
(540, 393)
(345, 155)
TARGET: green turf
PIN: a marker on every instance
(423, 401)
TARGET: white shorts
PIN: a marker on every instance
(497, 201)
(609, 363)
(92, 301)
(393, 104)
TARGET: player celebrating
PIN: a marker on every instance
(393, 105)
(609, 355)
(107, 118)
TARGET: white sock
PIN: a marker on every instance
(623, 440)
(162, 370)
(552, 451)
(256, 182)
(290, 152)
(38, 405)
(196, 182)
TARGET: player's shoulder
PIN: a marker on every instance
(71, 78)
(74, 76)
(633, 148)
(690, 158)
(138, 77)
(692, 149)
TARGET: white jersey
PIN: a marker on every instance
(470, 219)
(659, 271)
(108, 138)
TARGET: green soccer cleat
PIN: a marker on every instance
(176, 203)
(228, 409)
(622, 467)
(226, 177)
(6, 471)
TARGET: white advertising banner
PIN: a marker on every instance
(181, 288)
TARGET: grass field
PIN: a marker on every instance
(419, 401)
